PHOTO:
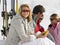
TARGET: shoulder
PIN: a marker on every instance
(17, 19)
(31, 22)
(58, 24)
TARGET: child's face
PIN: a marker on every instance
(54, 21)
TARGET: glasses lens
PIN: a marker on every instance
(53, 19)
(25, 10)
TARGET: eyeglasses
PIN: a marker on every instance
(25, 10)
(53, 19)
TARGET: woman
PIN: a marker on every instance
(21, 27)
(54, 28)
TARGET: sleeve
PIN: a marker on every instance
(18, 25)
(31, 28)
(49, 34)
(59, 28)
(57, 32)
(50, 37)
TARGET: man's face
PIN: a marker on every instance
(38, 17)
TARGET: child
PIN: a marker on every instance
(54, 28)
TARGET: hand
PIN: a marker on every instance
(41, 36)
(45, 33)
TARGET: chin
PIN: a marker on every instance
(25, 17)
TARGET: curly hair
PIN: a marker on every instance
(30, 14)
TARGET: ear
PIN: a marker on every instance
(58, 19)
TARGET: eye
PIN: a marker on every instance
(25, 10)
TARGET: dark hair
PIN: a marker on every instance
(53, 16)
(38, 8)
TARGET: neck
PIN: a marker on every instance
(38, 21)
(54, 25)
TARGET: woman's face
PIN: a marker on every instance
(25, 12)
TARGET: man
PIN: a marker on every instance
(37, 17)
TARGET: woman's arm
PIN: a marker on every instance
(18, 25)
